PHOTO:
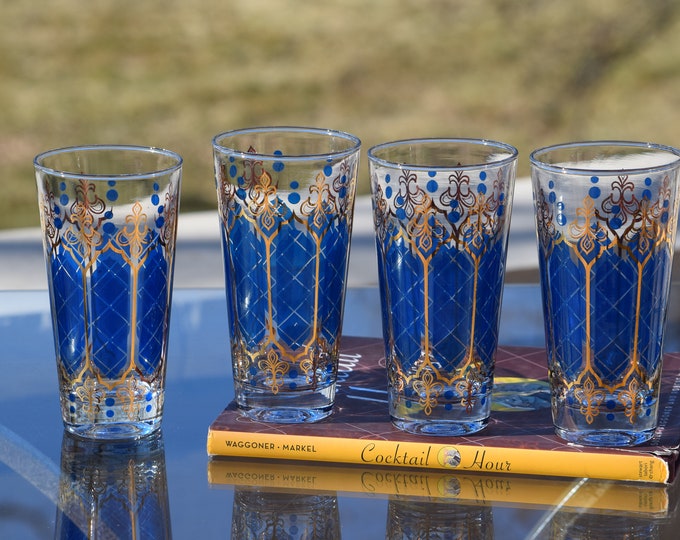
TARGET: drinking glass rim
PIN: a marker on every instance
(593, 171)
(428, 140)
(108, 147)
(355, 146)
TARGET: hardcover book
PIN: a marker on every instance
(519, 439)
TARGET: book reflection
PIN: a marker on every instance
(113, 489)
(436, 504)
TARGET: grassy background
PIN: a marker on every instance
(173, 73)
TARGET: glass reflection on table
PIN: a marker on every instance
(438, 520)
(114, 489)
(260, 513)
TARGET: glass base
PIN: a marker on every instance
(284, 415)
(448, 418)
(605, 437)
(302, 407)
(615, 425)
(114, 430)
(439, 428)
(104, 415)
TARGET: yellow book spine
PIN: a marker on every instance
(459, 457)
(479, 488)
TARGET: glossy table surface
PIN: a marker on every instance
(34, 474)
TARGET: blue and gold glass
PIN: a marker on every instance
(442, 213)
(606, 217)
(286, 201)
(109, 217)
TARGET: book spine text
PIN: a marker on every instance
(459, 457)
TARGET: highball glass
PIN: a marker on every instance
(606, 217)
(286, 202)
(442, 213)
(109, 217)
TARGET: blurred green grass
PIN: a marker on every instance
(174, 73)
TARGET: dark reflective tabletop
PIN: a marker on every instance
(52, 486)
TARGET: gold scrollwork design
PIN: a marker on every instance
(630, 398)
(48, 219)
(313, 356)
(128, 392)
(89, 394)
(86, 214)
(168, 232)
(274, 370)
(260, 203)
(545, 222)
(470, 384)
(428, 389)
(134, 236)
(590, 397)
(587, 232)
(423, 231)
(319, 205)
